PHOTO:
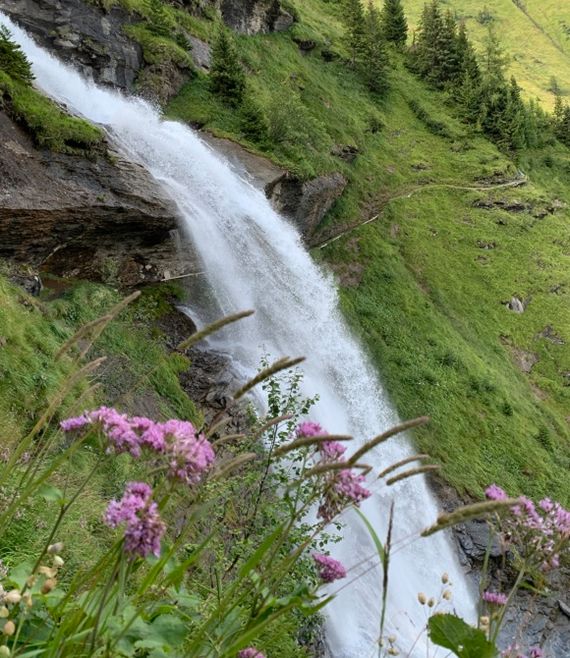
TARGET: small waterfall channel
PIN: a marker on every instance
(254, 258)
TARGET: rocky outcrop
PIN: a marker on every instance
(307, 202)
(100, 218)
(83, 34)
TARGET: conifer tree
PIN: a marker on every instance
(227, 78)
(355, 30)
(514, 120)
(466, 57)
(394, 24)
(12, 59)
(374, 63)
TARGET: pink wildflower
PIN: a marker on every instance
(308, 428)
(495, 492)
(73, 424)
(144, 527)
(332, 450)
(250, 652)
(329, 569)
(494, 598)
(344, 488)
(536, 652)
(189, 454)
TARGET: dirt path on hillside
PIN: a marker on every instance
(322, 242)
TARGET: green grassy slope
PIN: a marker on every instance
(535, 34)
(426, 284)
(138, 376)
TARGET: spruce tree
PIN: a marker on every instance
(394, 24)
(466, 57)
(515, 119)
(227, 78)
(374, 64)
(12, 59)
(353, 14)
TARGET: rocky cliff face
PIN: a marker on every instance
(83, 34)
(100, 218)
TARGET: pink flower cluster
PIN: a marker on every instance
(144, 527)
(188, 454)
(543, 530)
(250, 652)
(328, 568)
(343, 487)
(495, 598)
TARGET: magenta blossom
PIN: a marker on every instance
(308, 428)
(186, 453)
(495, 492)
(494, 598)
(251, 652)
(143, 526)
(332, 450)
(344, 488)
(329, 569)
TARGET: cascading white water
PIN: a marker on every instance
(254, 258)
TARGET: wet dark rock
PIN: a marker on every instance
(307, 202)
(305, 45)
(329, 55)
(550, 334)
(507, 205)
(345, 152)
(83, 34)
(474, 538)
(483, 244)
(100, 218)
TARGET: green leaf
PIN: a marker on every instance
(465, 641)
(51, 494)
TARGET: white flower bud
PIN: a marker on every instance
(55, 549)
(422, 598)
(9, 628)
(4, 651)
(445, 578)
(57, 561)
(4, 612)
(447, 595)
(13, 596)
(431, 602)
(48, 571)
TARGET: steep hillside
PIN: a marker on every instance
(453, 240)
(452, 262)
(535, 34)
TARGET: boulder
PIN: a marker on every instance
(100, 218)
(84, 34)
(307, 202)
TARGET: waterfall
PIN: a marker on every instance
(254, 258)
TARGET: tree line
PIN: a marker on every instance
(443, 55)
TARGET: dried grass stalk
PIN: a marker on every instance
(212, 328)
(469, 512)
(377, 440)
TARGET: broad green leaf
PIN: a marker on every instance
(50, 493)
(451, 632)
